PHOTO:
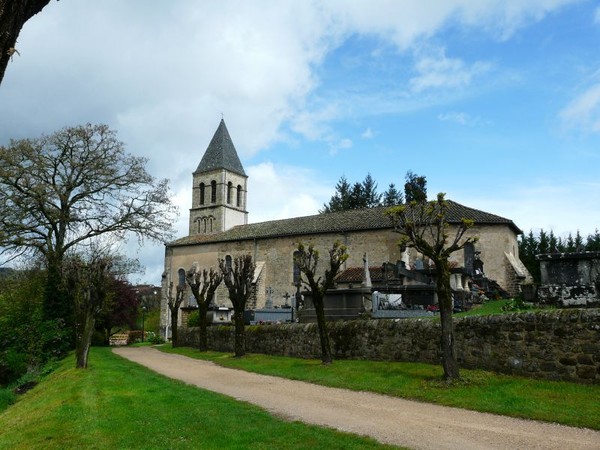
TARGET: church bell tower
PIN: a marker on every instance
(219, 188)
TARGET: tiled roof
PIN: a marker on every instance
(356, 274)
(221, 154)
(337, 222)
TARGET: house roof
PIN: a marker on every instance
(357, 274)
(336, 222)
(221, 154)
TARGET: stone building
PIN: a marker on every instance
(218, 229)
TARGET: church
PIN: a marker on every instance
(219, 229)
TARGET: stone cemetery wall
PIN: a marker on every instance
(555, 345)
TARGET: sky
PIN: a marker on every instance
(497, 103)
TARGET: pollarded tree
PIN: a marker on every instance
(72, 186)
(238, 276)
(203, 285)
(13, 15)
(307, 260)
(423, 225)
(174, 301)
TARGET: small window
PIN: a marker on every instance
(213, 193)
(202, 186)
(229, 189)
(181, 274)
(239, 196)
(228, 262)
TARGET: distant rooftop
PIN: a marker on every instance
(221, 154)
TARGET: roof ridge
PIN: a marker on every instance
(336, 222)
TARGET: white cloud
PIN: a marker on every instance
(280, 191)
(583, 111)
(560, 205)
(460, 118)
(367, 134)
(165, 71)
(435, 71)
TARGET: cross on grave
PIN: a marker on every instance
(287, 297)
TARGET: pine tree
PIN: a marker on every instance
(392, 196)
(415, 188)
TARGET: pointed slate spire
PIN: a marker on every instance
(221, 154)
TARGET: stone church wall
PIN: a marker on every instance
(555, 345)
(380, 245)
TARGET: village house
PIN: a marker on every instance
(219, 229)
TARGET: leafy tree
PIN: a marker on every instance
(61, 190)
(27, 341)
(392, 196)
(174, 301)
(203, 285)
(340, 201)
(579, 245)
(368, 191)
(307, 260)
(528, 249)
(415, 188)
(592, 243)
(356, 196)
(552, 242)
(238, 278)
(120, 308)
(13, 15)
(570, 244)
(423, 225)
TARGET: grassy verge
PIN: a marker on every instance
(118, 404)
(561, 402)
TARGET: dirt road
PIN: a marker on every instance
(390, 420)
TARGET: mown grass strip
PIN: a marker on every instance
(118, 404)
(560, 402)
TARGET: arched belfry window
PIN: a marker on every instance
(202, 188)
(228, 261)
(213, 191)
(181, 277)
(239, 196)
(229, 189)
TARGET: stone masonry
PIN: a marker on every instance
(554, 345)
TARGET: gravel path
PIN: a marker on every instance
(390, 420)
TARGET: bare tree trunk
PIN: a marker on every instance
(203, 326)
(240, 335)
(449, 363)
(13, 15)
(326, 357)
(85, 330)
(174, 329)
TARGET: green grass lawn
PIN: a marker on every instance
(116, 404)
(561, 402)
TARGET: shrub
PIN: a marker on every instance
(194, 319)
(154, 338)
